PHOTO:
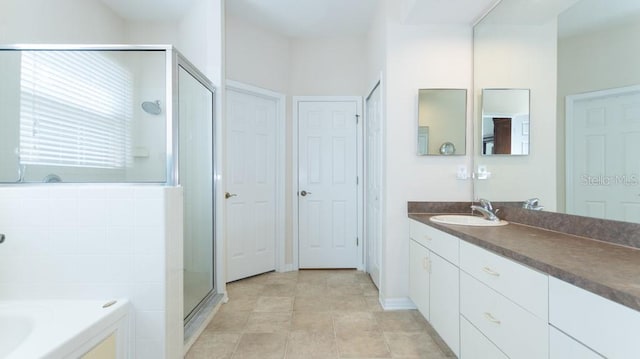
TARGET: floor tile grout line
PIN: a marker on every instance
(345, 281)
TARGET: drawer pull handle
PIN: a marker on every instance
(491, 318)
(426, 264)
(427, 238)
(491, 271)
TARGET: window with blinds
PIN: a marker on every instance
(75, 110)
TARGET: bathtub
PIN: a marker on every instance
(61, 328)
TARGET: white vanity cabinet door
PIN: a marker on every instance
(523, 285)
(444, 301)
(474, 345)
(561, 346)
(608, 328)
(517, 332)
(419, 277)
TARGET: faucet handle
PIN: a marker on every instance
(486, 204)
(532, 203)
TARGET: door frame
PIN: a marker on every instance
(377, 86)
(360, 172)
(570, 102)
(280, 99)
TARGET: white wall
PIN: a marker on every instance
(328, 66)
(257, 56)
(95, 242)
(151, 33)
(417, 57)
(60, 21)
(518, 56)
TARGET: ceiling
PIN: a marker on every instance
(327, 18)
(311, 18)
(447, 11)
(306, 18)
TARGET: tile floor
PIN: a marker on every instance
(312, 314)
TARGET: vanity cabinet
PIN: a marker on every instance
(419, 277)
(434, 280)
(474, 345)
(505, 301)
(608, 328)
(562, 346)
(485, 305)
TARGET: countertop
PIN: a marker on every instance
(609, 270)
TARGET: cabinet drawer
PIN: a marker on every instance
(609, 328)
(562, 346)
(474, 345)
(444, 244)
(523, 285)
(517, 332)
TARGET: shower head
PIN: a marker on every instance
(152, 108)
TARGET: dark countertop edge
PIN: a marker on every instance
(613, 294)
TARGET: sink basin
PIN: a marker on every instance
(466, 220)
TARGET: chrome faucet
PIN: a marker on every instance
(532, 204)
(486, 204)
(486, 209)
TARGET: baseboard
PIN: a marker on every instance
(286, 268)
(401, 303)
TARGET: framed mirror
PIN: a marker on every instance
(442, 120)
(505, 122)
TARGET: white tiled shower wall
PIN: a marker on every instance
(99, 242)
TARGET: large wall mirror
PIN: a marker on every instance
(505, 122)
(585, 159)
(442, 119)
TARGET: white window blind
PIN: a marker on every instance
(75, 110)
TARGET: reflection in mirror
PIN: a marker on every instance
(590, 48)
(599, 104)
(442, 121)
(505, 122)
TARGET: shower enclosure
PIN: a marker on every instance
(115, 114)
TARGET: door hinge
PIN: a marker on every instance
(357, 119)
(357, 241)
(357, 180)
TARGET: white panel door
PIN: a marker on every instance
(250, 184)
(604, 162)
(372, 179)
(327, 189)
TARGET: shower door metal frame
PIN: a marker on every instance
(178, 61)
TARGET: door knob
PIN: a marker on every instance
(228, 195)
(304, 193)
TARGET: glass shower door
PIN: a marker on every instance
(195, 161)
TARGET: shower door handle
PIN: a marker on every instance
(228, 195)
